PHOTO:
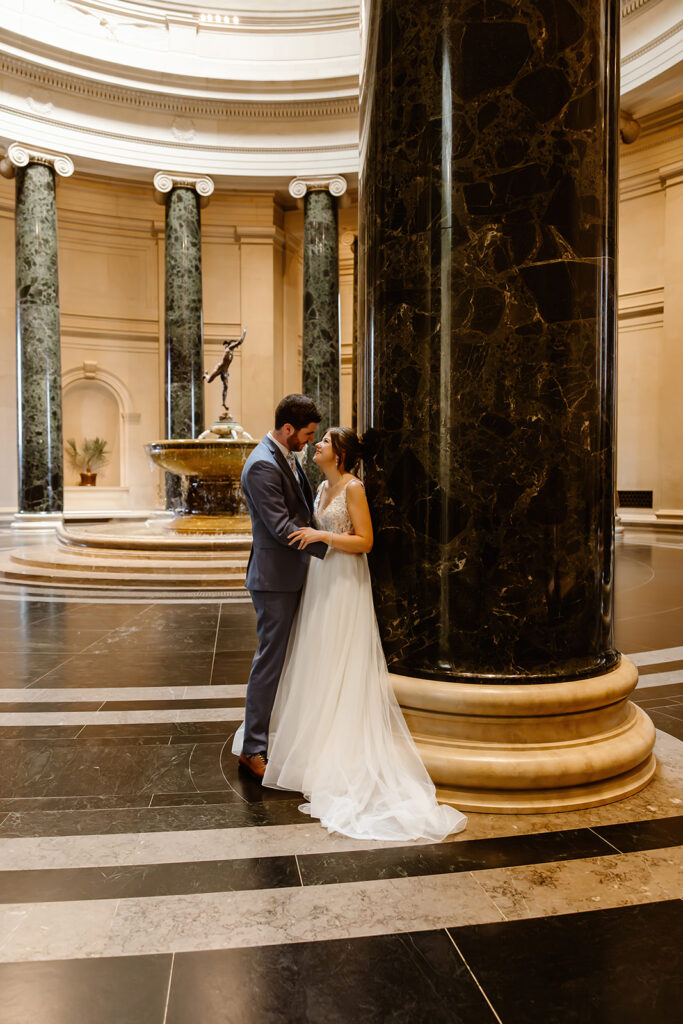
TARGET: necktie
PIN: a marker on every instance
(292, 464)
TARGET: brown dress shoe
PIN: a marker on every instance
(255, 764)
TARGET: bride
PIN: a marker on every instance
(337, 733)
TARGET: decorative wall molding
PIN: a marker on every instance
(210, 18)
(169, 103)
(186, 146)
(652, 44)
(629, 7)
(266, 234)
(641, 310)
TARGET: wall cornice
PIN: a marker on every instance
(630, 7)
(199, 105)
(279, 19)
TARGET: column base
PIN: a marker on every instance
(530, 748)
(37, 522)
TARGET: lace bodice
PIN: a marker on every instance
(335, 516)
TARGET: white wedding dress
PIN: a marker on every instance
(337, 733)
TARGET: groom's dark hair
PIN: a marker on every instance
(299, 410)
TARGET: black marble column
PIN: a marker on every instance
(487, 280)
(39, 390)
(321, 341)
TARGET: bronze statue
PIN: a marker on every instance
(222, 369)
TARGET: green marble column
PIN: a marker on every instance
(184, 349)
(321, 341)
(39, 391)
(183, 310)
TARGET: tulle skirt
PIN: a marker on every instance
(337, 733)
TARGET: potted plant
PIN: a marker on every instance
(93, 455)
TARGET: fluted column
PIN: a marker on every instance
(182, 196)
(39, 393)
(487, 279)
(321, 342)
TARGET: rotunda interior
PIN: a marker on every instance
(456, 227)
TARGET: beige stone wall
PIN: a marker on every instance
(111, 291)
(650, 353)
(111, 269)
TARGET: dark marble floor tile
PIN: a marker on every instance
(183, 615)
(231, 667)
(667, 723)
(442, 858)
(621, 966)
(100, 615)
(124, 666)
(649, 631)
(673, 711)
(21, 668)
(38, 733)
(235, 638)
(103, 990)
(144, 638)
(185, 732)
(151, 819)
(417, 978)
(215, 735)
(17, 613)
(66, 637)
(72, 803)
(649, 692)
(214, 796)
(94, 769)
(662, 666)
(22, 707)
(137, 880)
(654, 834)
(158, 705)
(657, 702)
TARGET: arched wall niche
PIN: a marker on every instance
(97, 403)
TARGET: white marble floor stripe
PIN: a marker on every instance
(661, 799)
(120, 693)
(657, 657)
(225, 920)
(28, 718)
(660, 679)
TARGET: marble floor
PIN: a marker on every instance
(142, 881)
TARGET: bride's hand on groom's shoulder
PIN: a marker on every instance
(305, 536)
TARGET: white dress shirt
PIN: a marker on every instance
(289, 456)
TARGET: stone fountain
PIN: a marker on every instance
(210, 466)
(204, 548)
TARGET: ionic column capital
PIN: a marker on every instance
(166, 181)
(335, 185)
(19, 155)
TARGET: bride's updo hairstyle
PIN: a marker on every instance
(347, 446)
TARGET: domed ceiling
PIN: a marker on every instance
(251, 91)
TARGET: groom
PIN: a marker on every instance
(280, 501)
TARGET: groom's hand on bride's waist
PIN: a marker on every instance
(305, 536)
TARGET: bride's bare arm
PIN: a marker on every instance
(361, 540)
(357, 543)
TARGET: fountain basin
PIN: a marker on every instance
(211, 499)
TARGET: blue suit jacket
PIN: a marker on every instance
(278, 506)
